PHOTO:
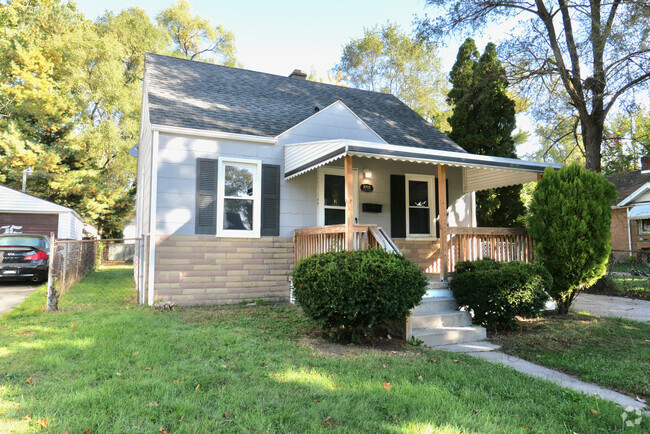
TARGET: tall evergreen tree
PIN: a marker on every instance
(482, 122)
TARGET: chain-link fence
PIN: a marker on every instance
(111, 283)
(628, 274)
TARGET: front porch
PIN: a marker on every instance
(414, 201)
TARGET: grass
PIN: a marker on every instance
(110, 287)
(611, 352)
(133, 369)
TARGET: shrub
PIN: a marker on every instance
(569, 219)
(497, 292)
(347, 292)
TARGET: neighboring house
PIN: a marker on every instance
(233, 165)
(24, 213)
(631, 214)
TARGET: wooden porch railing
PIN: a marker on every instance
(500, 244)
(321, 239)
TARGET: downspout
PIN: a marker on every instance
(152, 217)
(629, 230)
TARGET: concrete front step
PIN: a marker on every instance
(438, 284)
(439, 293)
(470, 347)
(431, 305)
(442, 319)
(449, 335)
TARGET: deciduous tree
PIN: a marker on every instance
(195, 38)
(387, 60)
(598, 51)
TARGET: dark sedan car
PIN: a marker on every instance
(24, 257)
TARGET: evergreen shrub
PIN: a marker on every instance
(345, 293)
(569, 219)
(498, 292)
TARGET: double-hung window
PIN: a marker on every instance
(239, 197)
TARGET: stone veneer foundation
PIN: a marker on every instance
(426, 253)
(203, 269)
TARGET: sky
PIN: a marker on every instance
(278, 36)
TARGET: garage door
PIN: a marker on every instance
(29, 223)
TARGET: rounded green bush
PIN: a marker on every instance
(498, 292)
(347, 292)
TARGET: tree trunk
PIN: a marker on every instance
(592, 139)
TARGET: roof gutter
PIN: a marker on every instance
(212, 134)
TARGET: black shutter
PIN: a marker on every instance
(206, 196)
(438, 204)
(270, 200)
(397, 206)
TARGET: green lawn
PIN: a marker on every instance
(244, 369)
(611, 352)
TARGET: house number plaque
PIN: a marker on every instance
(367, 188)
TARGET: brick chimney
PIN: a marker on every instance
(645, 163)
(298, 74)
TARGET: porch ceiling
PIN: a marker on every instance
(480, 172)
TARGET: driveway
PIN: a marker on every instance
(13, 293)
(604, 305)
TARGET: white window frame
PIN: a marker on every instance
(430, 179)
(340, 171)
(257, 197)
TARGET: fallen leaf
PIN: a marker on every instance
(394, 352)
(27, 418)
(73, 325)
(175, 381)
(594, 412)
(316, 401)
(641, 400)
(181, 419)
(476, 410)
(148, 368)
(224, 366)
(331, 375)
(389, 337)
(457, 361)
(153, 404)
(118, 374)
(87, 430)
(17, 405)
(383, 366)
(225, 414)
(29, 380)
(327, 422)
(135, 353)
(43, 423)
(420, 377)
(386, 386)
(197, 387)
(526, 426)
(163, 430)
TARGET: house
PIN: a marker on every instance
(23, 213)
(241, 173)
(631, 214)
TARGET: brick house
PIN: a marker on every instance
(242, 173)
(631, 214)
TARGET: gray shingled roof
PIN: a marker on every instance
(628, 182)
(184, 93)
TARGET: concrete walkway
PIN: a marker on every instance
(13, 293)
(604, 305)
(487, 351)
(559, 378)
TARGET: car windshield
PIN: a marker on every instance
(26, 241)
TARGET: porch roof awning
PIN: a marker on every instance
(480, 172)
(639, 212)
